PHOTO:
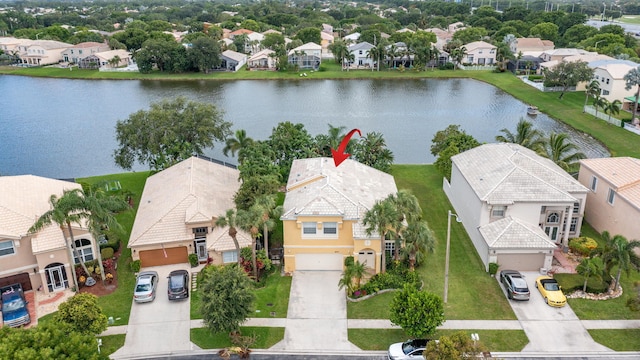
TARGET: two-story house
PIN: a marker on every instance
(307, 56)
(516, 206)
(480, 53)
(360, 52)
(42, 260)
(610, 74)
(614, 195)
(323, 210)
(177, 214)
(77, 52)
(42, 52)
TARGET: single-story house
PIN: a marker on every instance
(323, 210)
(232, 60)
(516, 206)
(262, 60)
(178, 211)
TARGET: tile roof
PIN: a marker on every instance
(24, 199)
(479, 45)
(88, 44)
(192, 191)
(234, 55)
(261, 54)
(512, 233)
(361, 46)
(317, 187)
(505, 173)
(219, 239)
(617, 70)
(621, 172)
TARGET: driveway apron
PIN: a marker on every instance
(317, 315)
(551, 329)
(160, 326)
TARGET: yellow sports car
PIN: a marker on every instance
(551, 291)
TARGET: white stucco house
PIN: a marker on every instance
(360, 53)
(516, 206)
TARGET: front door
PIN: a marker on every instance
(552, 231)
(201, 250)
(56, 280)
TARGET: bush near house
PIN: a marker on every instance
(395, 278)
(583, 245)
(575, 282)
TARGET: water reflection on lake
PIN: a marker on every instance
(66, 128)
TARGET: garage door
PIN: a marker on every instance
(521, 262)
(22, 279)
(319, 262)
(166, 256)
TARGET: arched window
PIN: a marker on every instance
(85, 250)
(553, 218)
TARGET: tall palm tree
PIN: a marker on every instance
(620, 252)
(391, 52)
(592, 90)
(563, 153)
(237, 143)
(65, 211)
(418, 240)
(349, 57)
(525, 135)
(374, 54)
(357, 270)
(230, 219)
(339, 49)
(250, 221)
(632, 78)
(381, 218)
(433, 56)
(408, 210)
(269, 213)
(589, 267)
(458, 54)
(613, 107)
(599, 102)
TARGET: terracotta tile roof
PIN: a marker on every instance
(506, 173)
(240, 31)
(512, 233)
(192, 191)
(623, 173)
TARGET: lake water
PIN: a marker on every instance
(66, 128)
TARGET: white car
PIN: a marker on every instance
(410, 349)
(146, 285)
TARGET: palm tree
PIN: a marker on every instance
(525, 135)
(588, 267)
(237, 143)
(408, 210)
(339, 49)
(267, 205)
(592, 90)
(419, 240)
(374, 54)
(230, 220)
(250, 221)
(458, 54)
(563, 153)
(599, 102)
(114, 61)
(620, 252)
(632, 78)
(357, 270)
(65, 210)
(391, 52)
(433, 56)
(348, 58)
(382, 217)
(612, 107)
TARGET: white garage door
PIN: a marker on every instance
(319, 262)
(521, 262)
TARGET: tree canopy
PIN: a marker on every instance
(169, 132)
(418, 312)
(83, 314)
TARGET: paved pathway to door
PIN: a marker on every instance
(317, 315)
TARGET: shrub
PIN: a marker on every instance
(493, 268)
(446, 66)
(106, 253)
(575, 282)
(583, 245)
(193, 260)
(135, 266)
(348, 261)
(535, 77)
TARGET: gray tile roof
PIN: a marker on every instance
(361, 46)
(317, 187)
(512, 233)
(506, 173)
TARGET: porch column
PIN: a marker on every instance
(567, 225)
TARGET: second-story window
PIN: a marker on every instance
(6, 248)
(329, 228)
(594, 183)
(498, 211)
(553, 218)
(308, 228)
(611, 196)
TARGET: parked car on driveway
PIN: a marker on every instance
(551, 291)
(178, 285)
(410, 349)
(146, 285)
(515, 285)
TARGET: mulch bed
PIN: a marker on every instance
(100, 289)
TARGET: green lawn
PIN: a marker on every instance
(473, 294)
(618, 339)
(118, 303)
(272, 296)
(111, 343)
(265, 337)
(629, 19)
(494, 340)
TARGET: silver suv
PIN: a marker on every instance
(515, 285)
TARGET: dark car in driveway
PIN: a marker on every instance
(515, 285)
(178, 285)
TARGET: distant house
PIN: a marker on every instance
(41, 52)
(360, 52)
(610, 74)
(80, 51)
(351, 37)
(307, 56)
(232, 60)
(516, 206)
(323, 210)
(326, 41)
(614, 195)
(526, 63)
(480, 53)
(178, 211)
(560, 54)
(262, 60)
(106, 59)
(524, 45)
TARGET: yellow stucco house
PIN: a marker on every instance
(323, 211)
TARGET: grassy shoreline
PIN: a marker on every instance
(568, 110)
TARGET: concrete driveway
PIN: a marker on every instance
(317, 315)
(160, 326)
(551, 329)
